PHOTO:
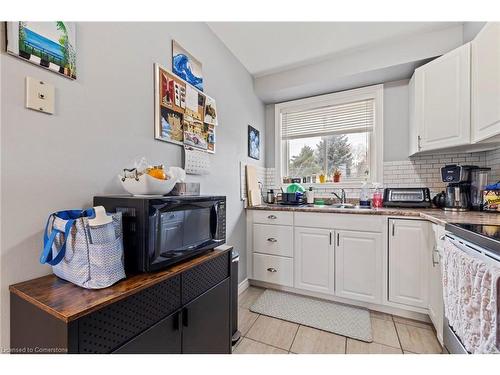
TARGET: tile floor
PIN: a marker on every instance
(391, 335)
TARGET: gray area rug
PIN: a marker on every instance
(325, 315)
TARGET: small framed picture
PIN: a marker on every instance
(50, 45)
(253, 143)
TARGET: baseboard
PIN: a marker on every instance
(243, 286)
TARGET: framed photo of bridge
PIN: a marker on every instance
(51, 45)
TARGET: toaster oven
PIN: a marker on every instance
(407, 197)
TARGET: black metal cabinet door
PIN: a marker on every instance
(206, 322)
(162, 338)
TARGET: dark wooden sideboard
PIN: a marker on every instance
(183, 309)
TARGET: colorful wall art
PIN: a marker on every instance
(51, 45)
(183, 114)
(186, 66)
(210, 111)
(253, 143)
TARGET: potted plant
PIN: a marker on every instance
(336, 175)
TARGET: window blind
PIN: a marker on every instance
(344, 118)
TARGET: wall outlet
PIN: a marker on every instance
(40, 95)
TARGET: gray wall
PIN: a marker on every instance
(270, 132)
(470, 30)
(383, 62)
(103, 121)
(396, 121)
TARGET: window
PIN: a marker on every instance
(328, 133)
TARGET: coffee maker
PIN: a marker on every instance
(458, 191)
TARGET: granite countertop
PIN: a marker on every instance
(435, 215)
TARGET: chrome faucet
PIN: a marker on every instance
(341, 197)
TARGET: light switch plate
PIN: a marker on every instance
(39, 95)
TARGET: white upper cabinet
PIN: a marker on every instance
(314, 260)
(486, 83)
(414, 137)
(442, 102)
(358, 265)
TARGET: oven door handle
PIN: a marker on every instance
(482, 254)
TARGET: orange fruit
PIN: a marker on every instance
(157, 173)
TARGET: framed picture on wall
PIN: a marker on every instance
(170, 102)
(51, 45)
(186, 66)
(253, 143)
(180, 112)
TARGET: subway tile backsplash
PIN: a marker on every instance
(424, 171)
(416, 171)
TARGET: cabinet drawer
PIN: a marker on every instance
(110, 327)
(201, 278)
(273, 217)
(273, 239)
(273, 269)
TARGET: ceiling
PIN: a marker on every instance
(269, 47)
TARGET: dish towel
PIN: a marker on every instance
(470, 292)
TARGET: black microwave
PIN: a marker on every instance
(161, 231)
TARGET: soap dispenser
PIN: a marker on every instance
(310, 196)
(364, 196)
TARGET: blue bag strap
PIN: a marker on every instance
(46, 256)
(48, 242)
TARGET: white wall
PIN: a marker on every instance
(104, 120)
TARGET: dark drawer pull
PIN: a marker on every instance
(272, 217)
(270, 269)
(272, 239)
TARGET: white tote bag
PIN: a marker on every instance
(90, 256)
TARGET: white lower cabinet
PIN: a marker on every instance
(273, 239)
(436, 304)
(273, 269)
(358, 265)
(409, 258)
(314, 260)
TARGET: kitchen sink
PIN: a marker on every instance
(343, 205)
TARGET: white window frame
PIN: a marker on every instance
(375, 92)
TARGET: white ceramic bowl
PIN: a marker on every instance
(148, 185)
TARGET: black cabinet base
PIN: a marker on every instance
(236, 337)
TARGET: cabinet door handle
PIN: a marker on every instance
(272, 217)
(418, 143)
(271, 269)
(338, 239)
(272, 239)
(185, 317)
(330, 238)
(393, 228)
(435, 254)
(177, 321)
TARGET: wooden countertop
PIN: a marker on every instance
(434, 215)
(68, 302)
